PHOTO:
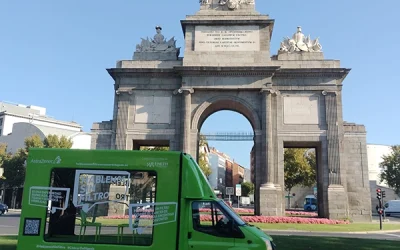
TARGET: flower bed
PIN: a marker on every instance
(259, 219)
(301, 213)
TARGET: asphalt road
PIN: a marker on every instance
(9, 225)
(380, 236)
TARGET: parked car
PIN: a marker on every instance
(3, 209)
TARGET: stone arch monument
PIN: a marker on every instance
(291, 99)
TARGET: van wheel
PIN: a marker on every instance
(1, 212)
(388, 215)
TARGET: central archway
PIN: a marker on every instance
(225, 102)
(242, 107)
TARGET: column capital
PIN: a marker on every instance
(123, 91)
(183, 90)
(268, 91)
(329, 92)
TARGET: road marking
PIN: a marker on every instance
(7, 226)
(395, 235)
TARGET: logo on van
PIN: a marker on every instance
(57, 160)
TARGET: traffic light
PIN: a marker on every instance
(383, 194)
(379, 193)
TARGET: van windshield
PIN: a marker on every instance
(231, 213)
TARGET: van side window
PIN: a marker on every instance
(209, 218)
(96, 206)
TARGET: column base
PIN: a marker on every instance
(337, 202)
(268, 200)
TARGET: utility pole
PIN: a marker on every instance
(380, 210)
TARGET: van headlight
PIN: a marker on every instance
(269, 244)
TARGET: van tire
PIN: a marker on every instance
(1, 212)
(388, 215)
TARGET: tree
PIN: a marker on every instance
(203, 158)
(53, 141)
(154, 148)
(299, 168)
(247, 188)
(391, 168)
(33, 141)
(203, 163)
(14, 166)
(3, 157)
(14, 169)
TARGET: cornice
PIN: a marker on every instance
(225, 71)
(42, 119)
(338, 73)
(141, 72)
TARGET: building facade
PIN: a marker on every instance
(375, 154)
(18, 122)
(218, 168)
(292, 99)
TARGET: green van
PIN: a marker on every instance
(111, 199)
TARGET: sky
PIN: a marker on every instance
(55, 54)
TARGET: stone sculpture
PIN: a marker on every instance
(300, 43)
(231, 4)
(157, 44)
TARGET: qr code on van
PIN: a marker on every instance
(32, 227)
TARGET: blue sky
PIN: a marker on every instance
(55, 54)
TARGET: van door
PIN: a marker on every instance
(210, 227)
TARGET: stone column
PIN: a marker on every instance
(333, 138)
(267, 139)
(186, 118)
(337, 195)
(268, 193)
(122, 120)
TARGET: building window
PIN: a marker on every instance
(1, 121)
(96, 211)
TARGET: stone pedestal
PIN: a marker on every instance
(337, 202)
(300, 56)
(156, 56)
(268, 201)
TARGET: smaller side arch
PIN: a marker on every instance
(225, 102)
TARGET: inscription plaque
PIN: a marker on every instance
(227, 38)
(301, 110)
(153, 109)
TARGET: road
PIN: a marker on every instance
(363, 235)
(9, 225)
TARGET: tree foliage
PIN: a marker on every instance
(154, 148)
(203, 157)
(203, 163)
(14, 165)
(391, 168)
(53, 141)
(300, 169)
(247, 188)
(33, 141)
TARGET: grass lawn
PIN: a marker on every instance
(8, 242)
(354, 227)
(289, 243)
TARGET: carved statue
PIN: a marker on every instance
(299, 42)
(234, 4)
(203, 2)
(158, 43)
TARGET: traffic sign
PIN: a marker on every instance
(238, 190)
(229, 191)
